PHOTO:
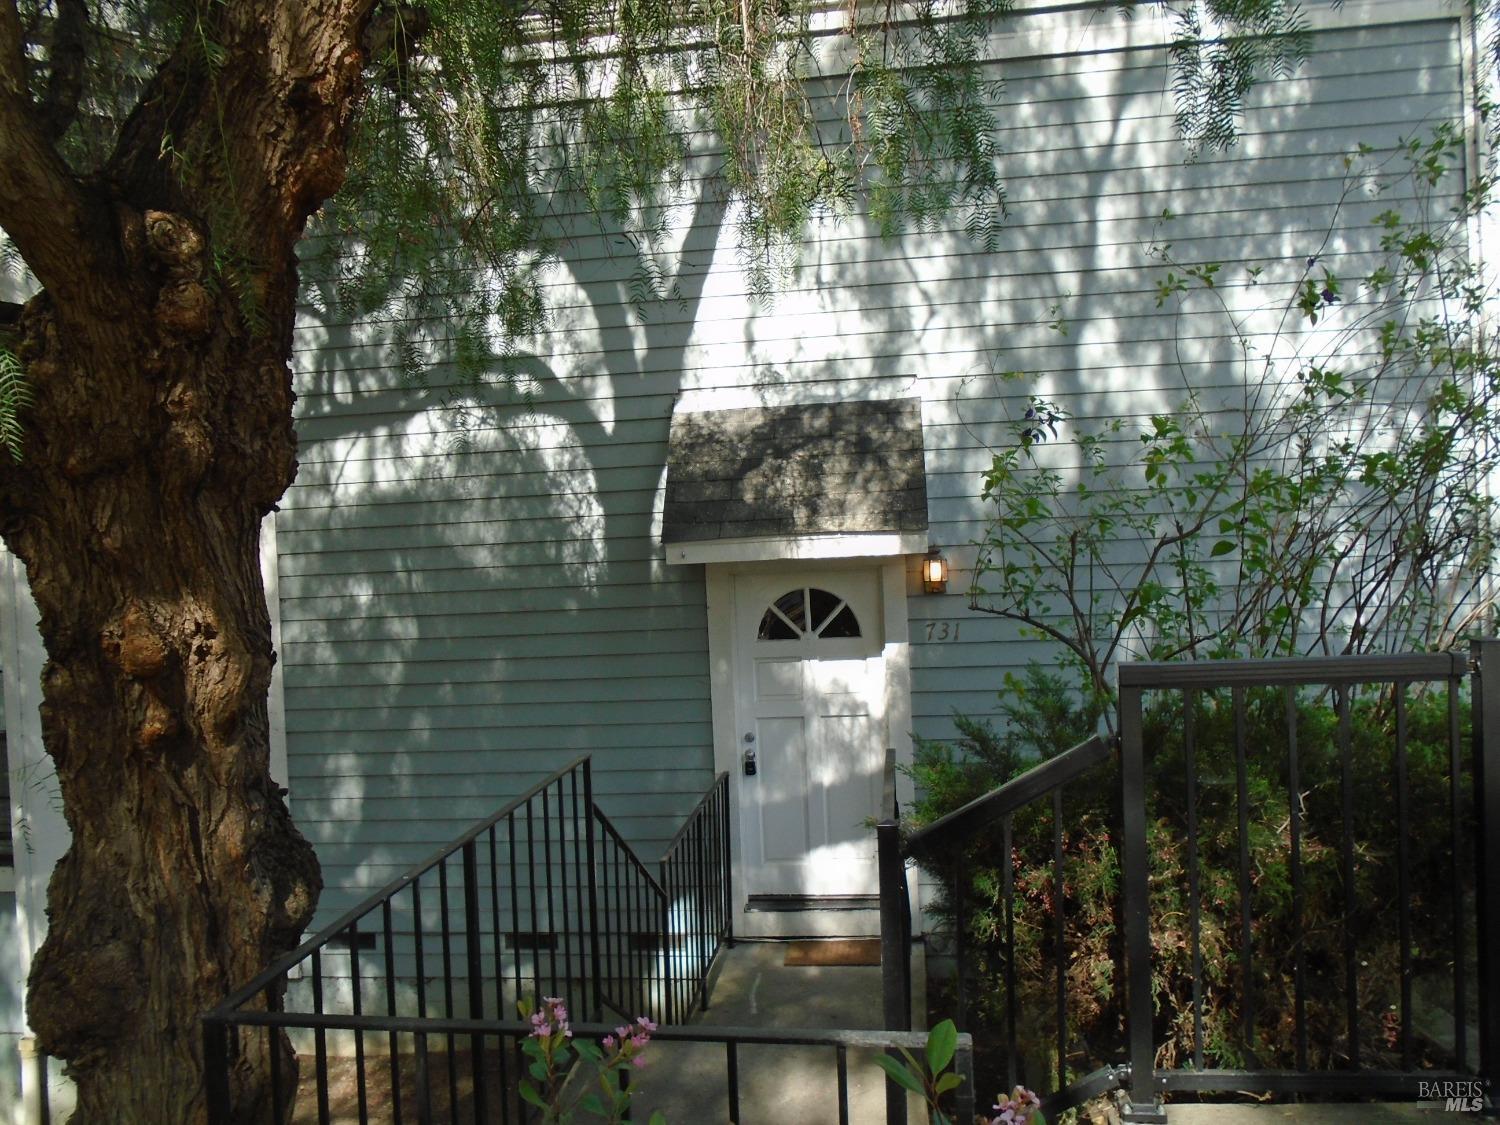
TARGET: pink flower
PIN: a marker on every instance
(550, 1019)
(1016, 1109)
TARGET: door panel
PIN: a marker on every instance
(778, 679)
(849, 797)
(783, 820)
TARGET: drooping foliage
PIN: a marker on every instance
(1222, 49)
(15, 394)
(490, 132)
(488, 136)
(480, 146)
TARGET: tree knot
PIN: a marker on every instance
(192, 437)
(175, 244)
(132, 643)
(183, 306)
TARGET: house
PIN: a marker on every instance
(690, 541)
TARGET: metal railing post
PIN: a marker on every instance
(1144, 1105)
(669, 953)
(475, 968)
(1485, 719)
(727, 867)
(700, 911)
(964, 1095)
(596, 967)
(216, 1071)
(895, 954)
(895, 958)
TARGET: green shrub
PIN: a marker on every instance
(1043, 716)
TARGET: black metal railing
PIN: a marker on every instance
(895, 907)
(542, 898)
(1389, 843)
(695, 879)
(634, 921)
(486, 1094)
(943, 846)
(1308, 898)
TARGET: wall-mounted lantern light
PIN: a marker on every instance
(934, 572)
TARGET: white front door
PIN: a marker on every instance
(810, 705)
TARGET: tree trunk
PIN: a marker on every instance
(159, 437)
(185, 875)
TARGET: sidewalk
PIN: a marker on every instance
(1371, 1113)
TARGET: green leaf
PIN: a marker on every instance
(15, 396)
(949, 1081)
(942, 1041)
(657, 1118)
(899, 1074)
(529, 1093)
(1222, 547)
(587, 1050)
(592, 1104)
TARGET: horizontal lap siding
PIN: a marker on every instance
(467, 602)
(457, 623)
(1267, 203)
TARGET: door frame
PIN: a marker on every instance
(719, 577)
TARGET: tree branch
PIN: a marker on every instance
(249, 149)
(12, 53)
(42, 205)
(66, 56)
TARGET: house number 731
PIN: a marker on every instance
(943, 630)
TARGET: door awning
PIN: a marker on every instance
(824, 480)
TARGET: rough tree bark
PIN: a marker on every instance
(160, 436)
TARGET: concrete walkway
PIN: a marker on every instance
(797, 1085)
(778, 1085)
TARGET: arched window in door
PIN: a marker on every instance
(807, 611)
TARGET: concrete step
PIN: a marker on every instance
(844, 923)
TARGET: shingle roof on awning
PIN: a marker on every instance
(825, 468)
